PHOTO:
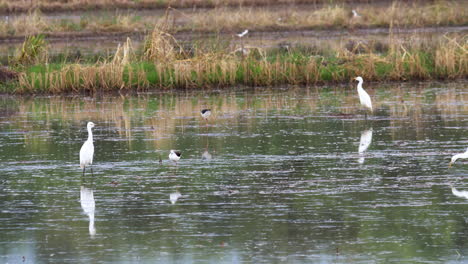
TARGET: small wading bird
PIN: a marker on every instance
(87, 150)
(355, 14)
(240, 35)
(205, 113)
(174, 155)
(363, 95)
(458, 156)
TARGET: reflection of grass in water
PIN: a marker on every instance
(161, 115)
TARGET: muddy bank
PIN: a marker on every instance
(62, 37)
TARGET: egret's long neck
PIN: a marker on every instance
(90, 134)
(359, 86)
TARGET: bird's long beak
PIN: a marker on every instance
(450, 164)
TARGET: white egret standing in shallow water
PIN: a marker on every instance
(87, 150)
(363, 95)
(458, 156)
(174, 155)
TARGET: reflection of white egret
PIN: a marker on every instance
(364, 143)
(240, 35)
(173, 197)
(459, 156)
(174, 155)
(87, 150)
(363, 95)
(461, 194)
(88, 206)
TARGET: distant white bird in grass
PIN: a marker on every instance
(458, 156)
(355, 14)
(174, 155)
(461, 194)
(240, 35)
(366, 140)
(88, 205)
(87, 150)
(363, 95)
(205, 113)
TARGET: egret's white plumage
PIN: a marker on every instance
(240, 35)
(459, 156)
(355, 14)
(88, 205)
(363, 95)
(174, 155)
(87, 150)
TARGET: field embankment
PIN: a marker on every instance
(163, 64)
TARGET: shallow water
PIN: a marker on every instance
(276, 175)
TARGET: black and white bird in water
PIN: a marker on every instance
(240, 35)
(174, 155)
(205, 113)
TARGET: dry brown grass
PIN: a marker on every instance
(166, 66)
(397, 15)
(8, 6)
(230, 20)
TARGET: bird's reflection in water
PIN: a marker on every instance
(173, 197)
(366, 140)
(88, 205)
(206, 155)
(461, 194)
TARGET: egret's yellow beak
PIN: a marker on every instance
(450, 164)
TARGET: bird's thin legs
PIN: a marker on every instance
(92, 174)
(84, 168)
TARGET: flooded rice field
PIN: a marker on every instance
(292, 175)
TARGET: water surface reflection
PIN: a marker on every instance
(282, 184)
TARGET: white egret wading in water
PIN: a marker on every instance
(458, 156)
(174, 155)
(87, 150)
(363, 95)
